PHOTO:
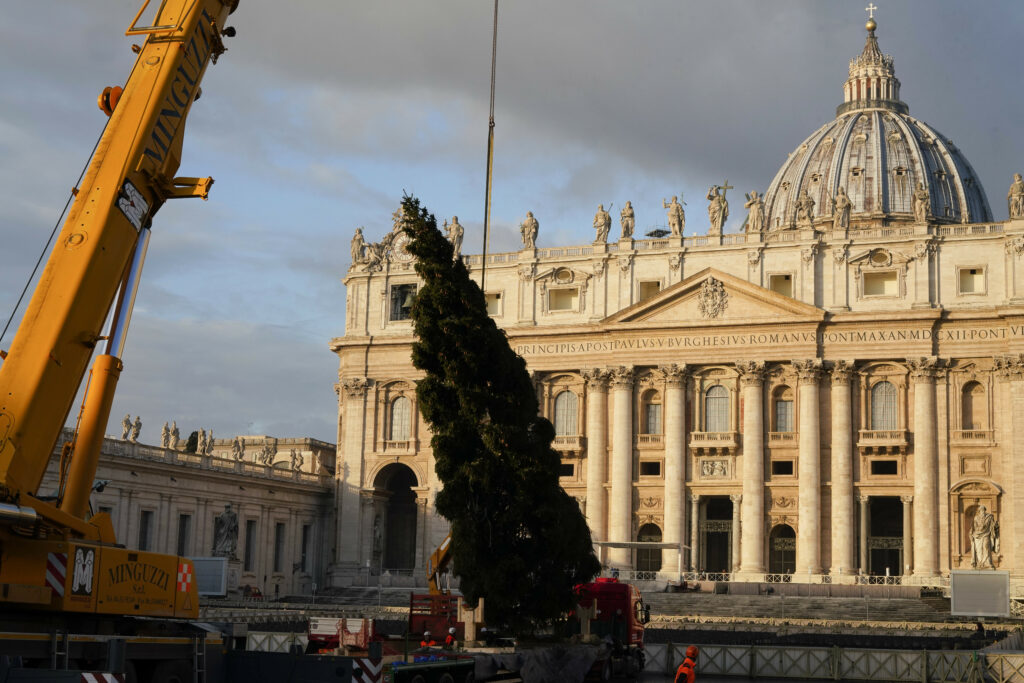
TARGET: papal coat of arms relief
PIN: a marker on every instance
(712, 299)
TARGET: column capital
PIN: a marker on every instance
(862, 499)
(751, 372)
(736, 498)
(842, 371)
(907, 500)
(808, 371)
(356, 387)
(1010, 366)
(596, 378)
(675, 374)
(622, 377)
(924, 368)
(693, 497)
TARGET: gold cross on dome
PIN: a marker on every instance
(870, 9)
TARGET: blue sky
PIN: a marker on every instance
(323, 112)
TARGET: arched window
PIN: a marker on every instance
(648, 559)
(650, 420)
(783, 410)
(716, 409)
(884, 414)
(399, 428)
(566, 412)
(974, 415)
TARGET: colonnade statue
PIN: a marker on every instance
(718, 209)
(984, 539)
(627, 218)
(676, 216)
(602, 224)
(1015, 197)
(225, 533)
(755, 212)
(528, 229)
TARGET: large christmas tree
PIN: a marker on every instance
(518, 539)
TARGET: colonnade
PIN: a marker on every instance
(610, 471)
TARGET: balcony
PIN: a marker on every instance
(973, 437)
(882, 441)
(649, 440)
(714, 442)
(782, 439)
(398, 446)
(568, 443)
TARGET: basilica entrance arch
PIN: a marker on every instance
(395, 532)
(782, 549)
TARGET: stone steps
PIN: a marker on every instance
(776, 606)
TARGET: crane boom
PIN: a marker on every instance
(51, 556)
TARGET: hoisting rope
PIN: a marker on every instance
(490, 150)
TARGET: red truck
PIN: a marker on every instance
(617, 612)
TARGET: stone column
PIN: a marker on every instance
(808, 539)
(863, 500)
(694, 530)
(842, 470)
(1010, 369)
(675, 463)
(908, 550)
(597, 451)
(734, 560)
(349, 476)
(926, 450)
(752, 509)
(620, 513)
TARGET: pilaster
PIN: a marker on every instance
(808, 546)
(752, 542)
(923, 371)
(842, 517)
(675, 452)
(349, 478)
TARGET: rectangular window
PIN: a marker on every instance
(781, 284)
(493, 300)
(146, 530)
(184, 534)
(279, 546)
(567, 469)
(971, 280)
(652, 424)
(563, 299)
(304, 558)
(881, 284)
(884, 467)
(782, 468)
(249, 563)
(651, 468)
(649, 289)
(783, 416)
(401, 301)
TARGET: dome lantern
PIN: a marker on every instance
(872, 83)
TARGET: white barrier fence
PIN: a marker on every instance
(258, 641)
(848, 664)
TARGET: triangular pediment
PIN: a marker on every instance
(712, 297)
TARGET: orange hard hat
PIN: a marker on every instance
(692, 651)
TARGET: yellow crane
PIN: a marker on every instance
(53, 556)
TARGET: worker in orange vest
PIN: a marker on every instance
(427, 640)
(687, 671)
(449, 640)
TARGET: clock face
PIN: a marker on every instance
(399, 247)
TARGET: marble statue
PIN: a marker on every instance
(126, 426)
(201, 442)
(755, 212)
(718, 209)
(984, 539)
(136, 428)
(676, 216)
(455, 232)
(528, 229)
(297, 459)
(225, 533)
(175, 435)
(268, 452)
(209, 443)
(237, 448)
(628, 220)
(804, 210)
(921, 203)
(165, 436)
(358, 247)
(841, 209)
(1015, 197)
(602, 224)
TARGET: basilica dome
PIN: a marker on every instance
(876, 153)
